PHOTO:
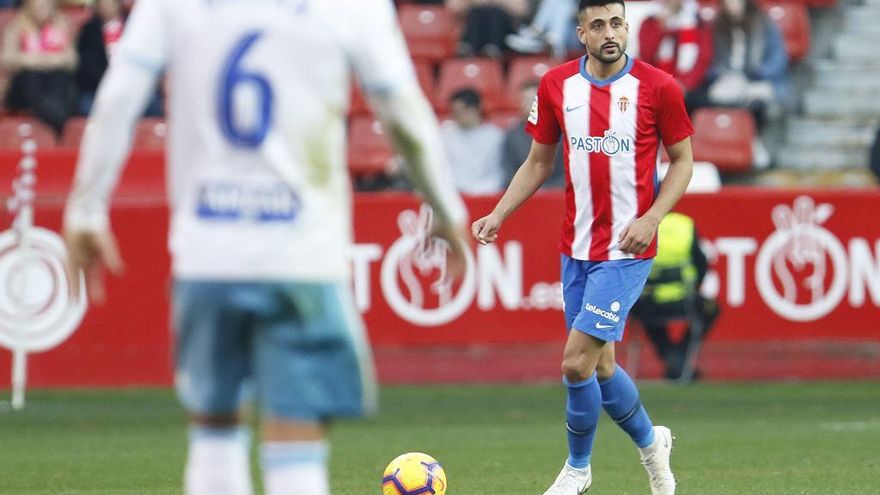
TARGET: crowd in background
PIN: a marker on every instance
(734, 57)
(54, 67)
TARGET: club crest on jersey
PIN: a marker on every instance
(623, 104)
(609, 144)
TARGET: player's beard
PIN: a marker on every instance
(600, 55)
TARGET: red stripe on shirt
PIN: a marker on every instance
(600, 175)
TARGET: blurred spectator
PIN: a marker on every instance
(516, 144)
(95, 44)
(97, 40)
(672, 292)
(472, 145)
(38, 51)
(750, 64)
(875, 155)
(7, 3)
(675, 40)
(487, 23)
(553, 26)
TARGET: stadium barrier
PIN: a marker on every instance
(797, 273)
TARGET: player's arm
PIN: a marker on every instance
(381, 61)
(534, 171)
(122, 97)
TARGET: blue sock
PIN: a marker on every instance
(582, 417)
(620, 398)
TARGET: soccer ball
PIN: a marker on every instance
(414, 473)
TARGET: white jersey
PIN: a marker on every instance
(259, 92)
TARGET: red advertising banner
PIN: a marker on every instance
(786, 266)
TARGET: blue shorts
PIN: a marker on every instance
(299, 347)
(598, 295)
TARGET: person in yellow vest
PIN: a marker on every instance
(672, 293)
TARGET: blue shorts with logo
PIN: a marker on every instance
(299, 348)
(598, 295)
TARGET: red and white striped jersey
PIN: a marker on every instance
(611, 130)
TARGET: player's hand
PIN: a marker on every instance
(485, 230)
(457, 241)
(637, 236)
(92, 252)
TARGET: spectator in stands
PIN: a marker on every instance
(487, 23)
(672, 292)
(516, 144)
(750, 63)
(676, 40)
(553, 26)
(95, 46)
(38, 51)
(472, 145)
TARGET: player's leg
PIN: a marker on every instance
(211, 361)
(620, 399)
(312, 364)
(614, 287)
(584, 400)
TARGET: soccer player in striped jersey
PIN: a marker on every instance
(612, 113)
(260, 213)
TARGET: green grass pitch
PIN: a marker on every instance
(731, 439)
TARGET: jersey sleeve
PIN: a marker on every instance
(542, 124)
(673, 122)
(378, 52)
(145, 37)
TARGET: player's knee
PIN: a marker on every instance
(605, 369)
(576, 368)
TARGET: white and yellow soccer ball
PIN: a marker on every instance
(414, 473)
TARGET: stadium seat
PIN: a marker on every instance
(14, 130)
(369, 151)
(73, 132)
(358, 102)
(794, 22)
(424, 74)
(482, 74)
(523, 70)
(431, 31)
(724, 137)
(150, 134)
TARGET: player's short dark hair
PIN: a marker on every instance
(468, 96)
(584, 4)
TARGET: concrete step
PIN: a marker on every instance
(822, 157)
(833, 84)
(856, 48)
(863, 74)
(810, 132)
(818, 102)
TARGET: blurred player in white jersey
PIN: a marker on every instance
(261, 213)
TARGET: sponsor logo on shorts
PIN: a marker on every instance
(608, 315)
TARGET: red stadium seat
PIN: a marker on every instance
(424, 74)
(358, 102)
(15, 130)
(794, 22)
(431, 31)
(523, 70)
(73, 132)
(724, 137)
(150, 134)
(482, 74)
(369, 151)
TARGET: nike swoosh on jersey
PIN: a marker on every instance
(572, 109)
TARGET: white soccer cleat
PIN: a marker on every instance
(656, 462)
(571, 481)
